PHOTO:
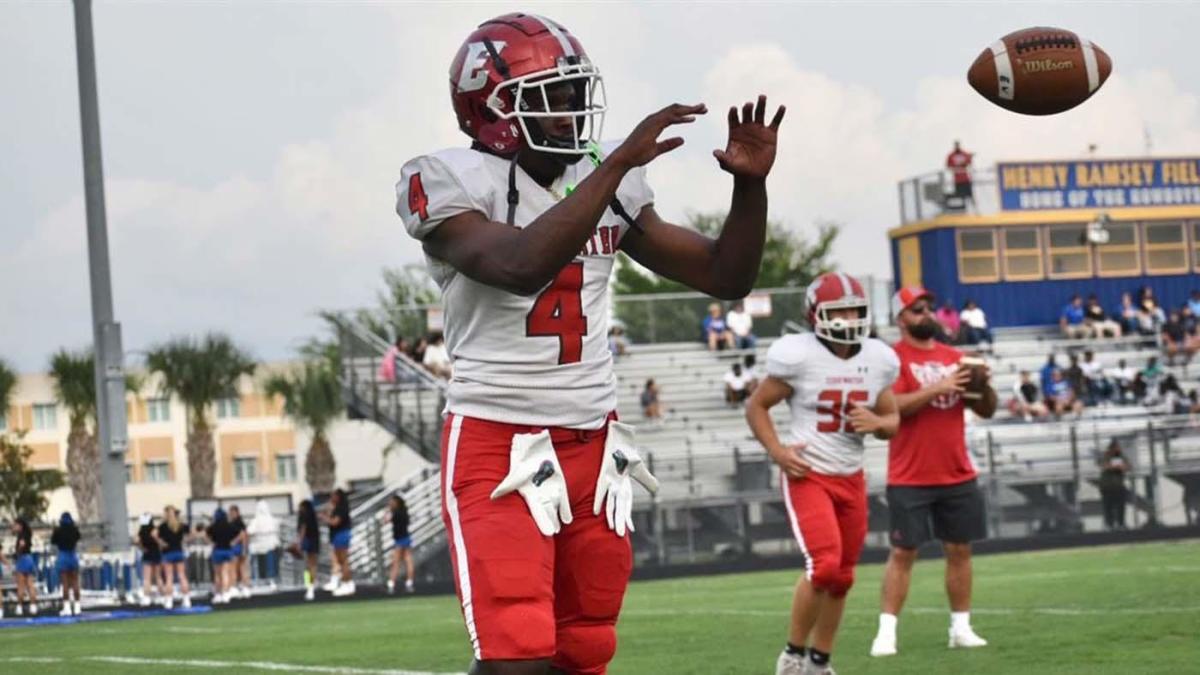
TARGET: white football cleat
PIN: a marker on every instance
(883, 645)
(965, 638)
(790, 664)
(344, 590)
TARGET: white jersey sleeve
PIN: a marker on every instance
(441, 185)
(785, 359)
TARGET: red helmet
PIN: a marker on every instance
(503, 70)
(832, 291)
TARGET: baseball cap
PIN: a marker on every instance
(906, 296)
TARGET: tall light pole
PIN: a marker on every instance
(106, 332)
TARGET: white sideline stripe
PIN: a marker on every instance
(32, 659)
(1089, 64)
(1052, 611)
(255, 665)
(1003, 70)
(787, 500)
(460, 547)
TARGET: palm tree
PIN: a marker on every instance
(8, 384)
(75, 387)
(199, 372)
(313, 399)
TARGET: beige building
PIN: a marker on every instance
(259, 451)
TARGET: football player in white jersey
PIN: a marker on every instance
(520, 232)
(837, 382)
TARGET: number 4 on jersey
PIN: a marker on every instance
(558, 312)
(838, 407)
(418, 202)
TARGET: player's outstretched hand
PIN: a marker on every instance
(790, 461)
(750, 151)
(642, 144)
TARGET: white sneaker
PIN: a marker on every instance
(187, 602)
(391, 586)
(33, 609)
(310, 593)
(246, 592)
(331, 586)
(790, 664)
(884, 645)
(66, 610)
(77, 608)
(17, 610)
(408, 586)
(344, 590)
(144, 601)
(168, 604)
(965, 638)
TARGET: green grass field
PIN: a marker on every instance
(1120, 609)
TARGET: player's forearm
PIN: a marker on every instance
(541, 249)
(739, 248)
(759, 420)
(888, 426)
(912, 402)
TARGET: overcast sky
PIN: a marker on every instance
(251, 148)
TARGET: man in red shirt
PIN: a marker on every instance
(931, 490)
(959, 163)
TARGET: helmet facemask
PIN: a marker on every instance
(840, 329)
(527, 99)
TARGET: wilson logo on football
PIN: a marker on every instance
(1046, 65)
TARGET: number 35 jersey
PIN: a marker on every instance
(540, 360)
(824, 390)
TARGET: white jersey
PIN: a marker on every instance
(541, 360)
(823, 389)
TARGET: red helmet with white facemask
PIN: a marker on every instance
(833, 291)
(500, 81)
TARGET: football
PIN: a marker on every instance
(1039, 71)
(979, 376)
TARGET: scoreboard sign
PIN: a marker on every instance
(1099, 183)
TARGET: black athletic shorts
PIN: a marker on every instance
(950, 513)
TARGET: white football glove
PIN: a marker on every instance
(613, 489)
(535, 474)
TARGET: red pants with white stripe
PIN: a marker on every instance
(829, 518)
(525, 595)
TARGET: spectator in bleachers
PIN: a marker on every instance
(1178, 341)
(741, 324)
(417, 352)
(1127, 315)
(387, 366)
(1193, 303)
(950, 322)
(1150, 314)
(65, 538)
(1071, 320)
(1098, 321)
(716, 331)
(1026, 402)
(152, 573)
(1145, 385)
(1047, 377)
(1063, 398)
(738, 385)
(618, 344)
(308, 544)
(750, 367)
(1172, 395)
(651, 409)
(24, 567)
(171, 536)
(1073, 374)
(436, 359)
(974, 325)
(1099, 389)
(1123, 378)
(1113, 493)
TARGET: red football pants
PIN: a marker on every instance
(829, 518)
(525, 595)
